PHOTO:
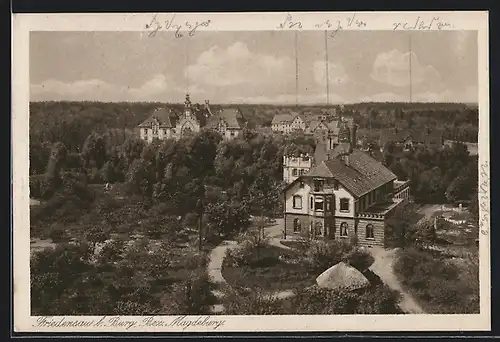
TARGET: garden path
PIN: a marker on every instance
(274, 234)
(383, 267)
(215, 273)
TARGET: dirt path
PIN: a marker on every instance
(215, 273)
(383, 267)
(216, 258)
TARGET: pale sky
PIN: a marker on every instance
(254, 66)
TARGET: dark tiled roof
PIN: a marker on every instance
(361, 175)
(230, 116)
(164, 117)
(278, 118)
(418, 136)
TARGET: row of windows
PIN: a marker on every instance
(316, 203)
(300, 172)
(155, 131)
(344, 228)
(165, 130)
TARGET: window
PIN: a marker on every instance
(232, 133)
(318, 185)
(296, 225)
(155, 129)
(301, 184)
(344, 204)
(370, 231)
(294, 172)
(318, 227)
(312, 203)
(344, 229)
(318, 204)
(297, 202)
(165, 131)
(145, 131)
(335, 184)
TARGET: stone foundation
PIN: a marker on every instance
(331, 228)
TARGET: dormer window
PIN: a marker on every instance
(335, 184)
(318, 185)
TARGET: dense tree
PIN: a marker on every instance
(94, 151)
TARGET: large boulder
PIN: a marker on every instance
(343, 276)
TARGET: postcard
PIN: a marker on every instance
(254, 172)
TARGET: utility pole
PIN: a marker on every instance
(409, 48)
(296, 70)
(326, 70)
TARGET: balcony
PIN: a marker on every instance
(378, 211)
(400, 185)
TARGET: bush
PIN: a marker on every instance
(58, 235)
(439, 284)
(35, 187)
(241, 254)
(194, 297)
(191, 220)
(322, 255)
(194, 261)
(359, 259)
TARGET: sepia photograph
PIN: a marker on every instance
(180, 170)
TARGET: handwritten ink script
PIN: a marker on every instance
(484, 196)
(119, 322)
(175, 25)
(420, 24)
(329, 25)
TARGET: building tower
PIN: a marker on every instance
(187, 107)
(294, 167)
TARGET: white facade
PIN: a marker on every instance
(294, 167)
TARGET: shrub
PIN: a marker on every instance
(359, 259)
(58, 235)
(194, 296)
(321, 255)
(191, 220)
(426, 232)
(194, 261)
(442, 286)
(241, 254)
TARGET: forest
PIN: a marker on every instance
(71, 122)
(166, 191)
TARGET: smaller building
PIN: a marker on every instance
(410, 139)
(294, 167)
(227, 122)
(282, 123)
(164, 124)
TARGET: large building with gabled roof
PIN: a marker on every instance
(164, 124)
(346, 193)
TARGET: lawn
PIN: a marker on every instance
(266, 271)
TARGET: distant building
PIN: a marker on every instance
(282, 123)
(294, 167)
(346, 193)
(164, 124)
(410, 139)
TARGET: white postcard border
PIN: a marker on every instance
(24, 23)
